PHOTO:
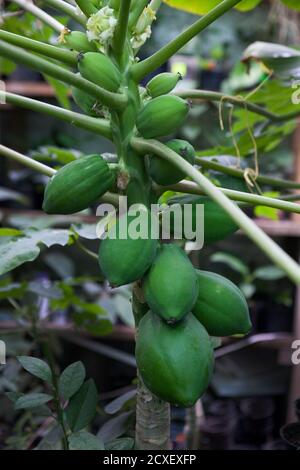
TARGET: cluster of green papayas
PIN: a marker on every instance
(173, 348)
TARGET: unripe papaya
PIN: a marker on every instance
(221, 306)
(175, 362)
(217, 223)
(99, 69)
(86, 102)
(163, 84)
(78, 41)
(77, 185)
(163, 172)
(123, 259)
(162, 116)
(171, 286)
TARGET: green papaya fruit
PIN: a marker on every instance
(78, 41)
(77, 185)
(171, 286)
(175, 362)
(163, 172)
(99, 69)
(221, 306)
(217, 223)
(163, 84)
(162, 116)
(86, 102)
(123, 259)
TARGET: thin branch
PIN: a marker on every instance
(253, 199)
(153, 62)
(26, 161)
(53, 52)
(36, 11)
(269, 247)
(122, 28)
(68, 9)
(105, 97)
(237, 101)
(261, 179)
(95, 125)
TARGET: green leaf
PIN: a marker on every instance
(88, 231)
(71, 380)
(294, 4)
(36, 367)
(84, 440)
(282, 60)
(247, 289)
(14, 290)
(123, 443)
(10, 232)
(115, 427)
(232, 261)
(269, 273)
(200, 7)
(61, 91)
(20, 250)
(82, 406)
(117, 405)
(14, 396)
(32, 400)
(10, 195)
(46, 291)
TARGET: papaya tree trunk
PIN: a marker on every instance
(152, 414)
(152, 421)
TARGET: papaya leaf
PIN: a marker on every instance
(200, 7)
(36, 367)
(282, 60)
(26, 248)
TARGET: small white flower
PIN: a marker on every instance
(138, 40)
(101, 27)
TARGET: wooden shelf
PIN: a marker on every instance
(32, 89)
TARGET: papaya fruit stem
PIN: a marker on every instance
(53, 52)
(236, 101)
(260, 238)
(98, 126)
(113, 100)
(252, 199)
(26, 161)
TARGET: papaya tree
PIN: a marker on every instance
(177, 308)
